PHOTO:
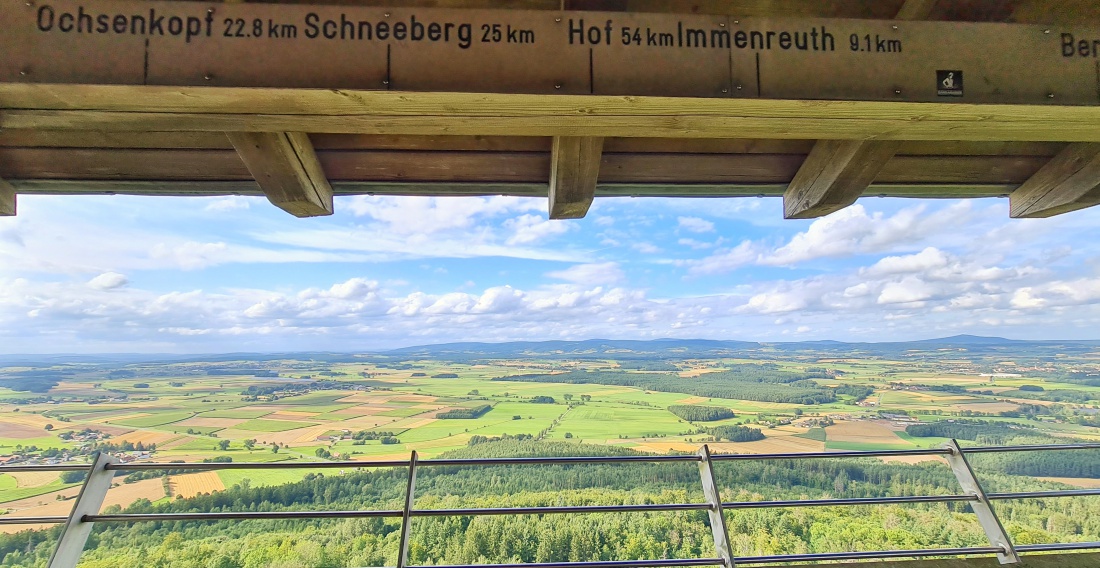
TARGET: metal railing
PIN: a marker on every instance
(86, 509)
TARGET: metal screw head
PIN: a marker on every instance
(385, 81)
(387, 14)
(208, 77)
(725, 90)
(737, 21)
(1050, 95)
(894, 27)
(897, 91)
(557, 19)
(557, 86)
(209, 10)
(721, 24)
(1046, 31)
(739, 87)
(24, 72)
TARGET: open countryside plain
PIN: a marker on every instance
(305, 410)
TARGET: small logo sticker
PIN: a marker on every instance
(949, 83)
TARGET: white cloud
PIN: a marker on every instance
(695, 225)
(108, 281)
(725, 260)
(590, 274)
(527, 229)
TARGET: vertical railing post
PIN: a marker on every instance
(982, 508)
(403, 550)
(88, 502)
(717, 516)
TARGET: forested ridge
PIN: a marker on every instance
(764, 382)
(367, 542)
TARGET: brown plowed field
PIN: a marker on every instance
(780, 444)
(862, 431)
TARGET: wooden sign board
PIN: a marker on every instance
(503, 51)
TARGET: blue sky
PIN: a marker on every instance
(139, 274)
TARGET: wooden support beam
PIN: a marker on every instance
(286, 169)
(7, 199)
(574, 167)
(916, 10)
(1068, 182)
(834, 175)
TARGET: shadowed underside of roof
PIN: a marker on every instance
(818, 101)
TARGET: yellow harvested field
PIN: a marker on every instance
(692, 400)
(417, 398)
(290, 415)
(34, 478)
(421, 422)
(912, 459)
(769, 445)
(863, 431)
(35, 421)
(147, 437)
(47, 505)
(696, 372)
(1074, 481)
(664, 447)
(191, 484)
(210, 422)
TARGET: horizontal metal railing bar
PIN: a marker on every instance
(851, 501)
(551, 510)
(549, 460)
(5, 520)
(236, 516)
(157, 466)
(1032, 448)
(58, 467)
(595, 564)
(821, 556)
(400, 463)
(1057, 546)
(843, 454)
(1041, 494)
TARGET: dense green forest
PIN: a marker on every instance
(763, 382)
(1053, 464)
(701, 413)
(736, 433)
(544, 538)
(465, 413)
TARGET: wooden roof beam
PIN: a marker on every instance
(286, 169)
(7, 199)
(574, 167)
(1068, 182)
(834, 175)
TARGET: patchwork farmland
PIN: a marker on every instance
(304, 410)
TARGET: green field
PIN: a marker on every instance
(261, 425)
(157, 419)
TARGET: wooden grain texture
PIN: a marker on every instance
(834, 175)
(286, 169)
(1068, 182)
(496, 167)
(574, 167)
(22, 163)
(916, 10)
(7, 199)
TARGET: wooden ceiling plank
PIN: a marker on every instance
(7, 199)
(574, 167)
(834, 175)
(286, 168)
(1068, 182)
